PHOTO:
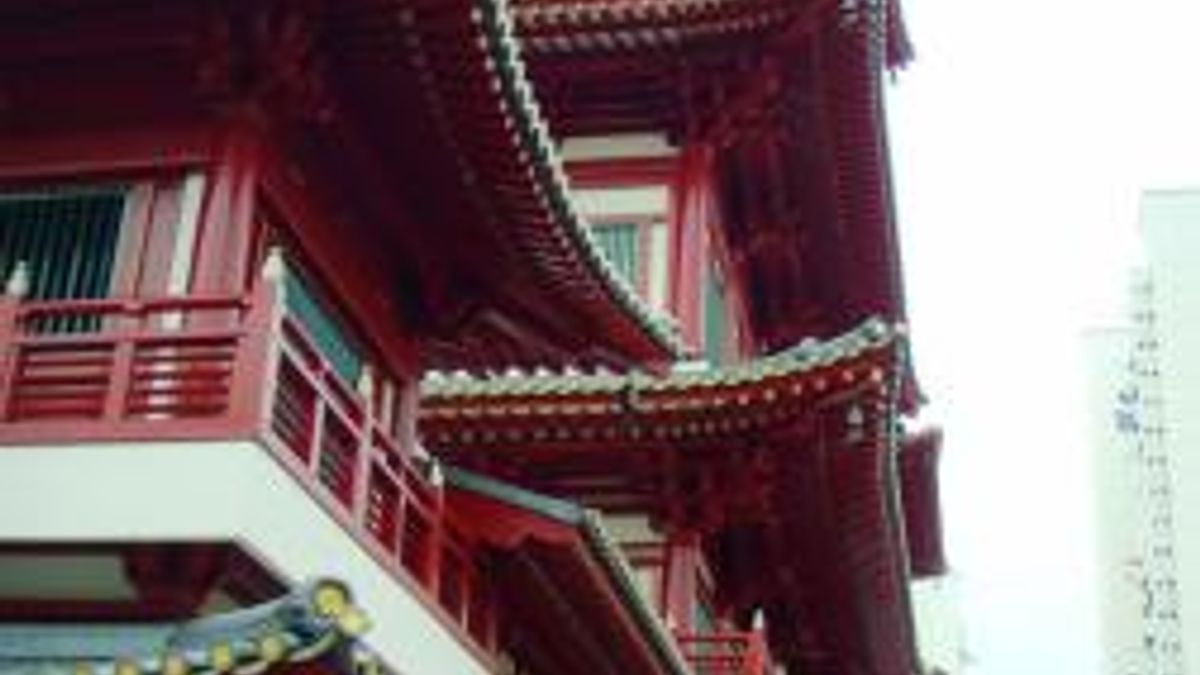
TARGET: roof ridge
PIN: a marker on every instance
(806, 355)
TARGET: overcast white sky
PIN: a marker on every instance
(1022, 137)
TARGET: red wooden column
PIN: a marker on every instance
(692, 214)
(223, 244)
(918, 466)
(172, 580)
(679, 579)
(408, 391)
(255, 376)
(10, 302)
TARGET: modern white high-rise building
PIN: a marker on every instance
(1145, 389)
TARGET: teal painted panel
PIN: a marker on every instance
(322, 328)
(716, 330)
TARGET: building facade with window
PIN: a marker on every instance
(1144, 383)
(455, 336)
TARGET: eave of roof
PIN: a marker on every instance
(610, 410)
(477, 89)
(554, 27)
(588, 529)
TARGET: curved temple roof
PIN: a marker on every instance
(547, 175)
(486, 111)
(809, 72)
(779, 462)
(303, 626)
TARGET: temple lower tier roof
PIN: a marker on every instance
(784, 466)
(808, 360)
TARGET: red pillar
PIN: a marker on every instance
(224, 241)
(681, 571)
(9, 304)
(692, 213)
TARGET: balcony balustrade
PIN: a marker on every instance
(124, 369)
(230, 368)
(725, 653)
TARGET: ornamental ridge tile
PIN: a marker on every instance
(808, 356)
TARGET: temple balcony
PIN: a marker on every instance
(202, 418)
(220, 418)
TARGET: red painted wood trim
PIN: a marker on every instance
(623, 172)
(110, 154)
(76, 611)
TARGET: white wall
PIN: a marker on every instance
(623, 201)
(616, 146)
(216, 491)
(626, 529)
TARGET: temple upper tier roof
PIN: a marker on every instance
(554, 296)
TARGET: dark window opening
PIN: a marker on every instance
(67, 240)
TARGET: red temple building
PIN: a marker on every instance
(452, 337)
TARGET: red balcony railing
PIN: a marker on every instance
(326, 430)
(229, 368)
(117, 369)
(729, 653)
